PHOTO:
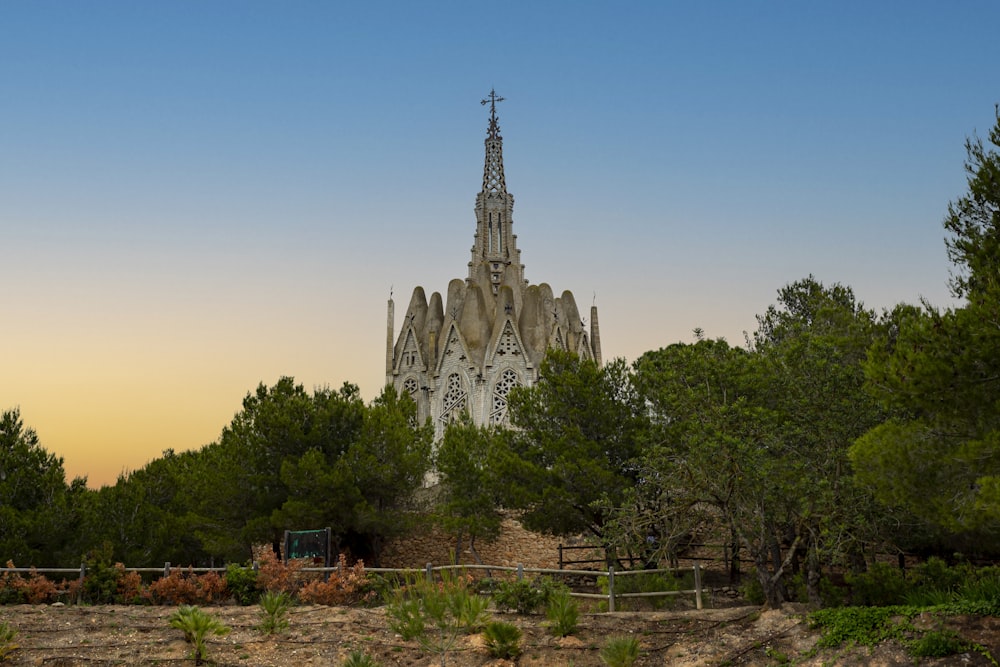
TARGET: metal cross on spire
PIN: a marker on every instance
(494, 131)
(492, 99)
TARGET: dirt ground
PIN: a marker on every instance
(64, 636)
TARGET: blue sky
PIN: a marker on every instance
(199, 196)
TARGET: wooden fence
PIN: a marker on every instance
(430, 571)
(696, 554)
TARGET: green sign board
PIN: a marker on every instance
(313, 544)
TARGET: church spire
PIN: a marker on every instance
(495, 258)
(494, 183)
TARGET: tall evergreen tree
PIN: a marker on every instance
(35, 514)
(939, 371)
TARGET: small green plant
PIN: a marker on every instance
(241, 581)
(620, 652)
(197, 626)
(503, 640)
(435, 613)
(776, 655)
(752, 590)
(357, 658)
(867, 626)
(525, 597)
(936, 574)
(470, 610)
(563, 614)
(982, 591)
(274, 608)
(646, 582)
(405, 611)
(8, 635)
(938, 644)
(100, 585)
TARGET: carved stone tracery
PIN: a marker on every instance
(506, 382)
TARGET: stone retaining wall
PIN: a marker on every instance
(515, 545)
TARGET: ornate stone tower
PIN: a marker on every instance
(465, 355)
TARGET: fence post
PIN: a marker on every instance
(611, 587)
(560, 556)
(83, 573)
(697, 585)
(430, 574)
(166, 569)
(520, 572)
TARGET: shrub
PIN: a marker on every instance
(880, 586)
(867, 626)
(405, 617)
(563, 614)
(525, 597)
(12, 587)
(274, 612)
(503, 640)
(381, 586)
(241, 581)
(752, 590)
(434, 613)
(471, 610)
(101, 583)
(38, 589)
(279, 577)
(938, 644)
(130, 589)
(935, 574)
(620, 652)
(197, 626)
(984, 586)
(346, 587)
(185, 587)
(647, 582)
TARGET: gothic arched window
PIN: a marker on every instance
(454, 400)
(506, 382)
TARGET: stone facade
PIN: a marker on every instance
(465, 352)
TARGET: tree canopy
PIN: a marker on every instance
(578, 433)
(35, 502)
(939, 373)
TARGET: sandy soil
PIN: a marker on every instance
(66, 636)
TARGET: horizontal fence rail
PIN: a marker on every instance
(429, 571)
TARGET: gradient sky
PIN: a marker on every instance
(198, 196)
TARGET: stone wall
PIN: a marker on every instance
(515, 545)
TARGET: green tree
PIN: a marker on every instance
(34, 511)
(579, 431)
(146, 515)
(939, 373)
(361, 489)
(815, 340)
(716, 446)
(389, 462)
(295, 461)
(761, 436)
(238, 483)
(470, 500)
